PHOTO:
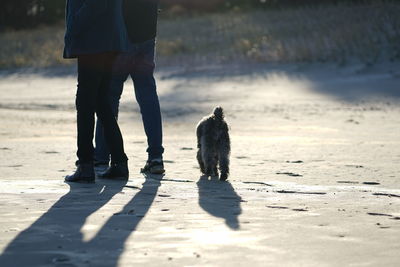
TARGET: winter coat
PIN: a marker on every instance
(94, 26)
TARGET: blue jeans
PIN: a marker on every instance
(139, 63)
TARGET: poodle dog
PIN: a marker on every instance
(213, 144)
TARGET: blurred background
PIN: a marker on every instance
(223, 31)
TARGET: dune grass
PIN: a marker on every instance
(41, 47)
(343, 34)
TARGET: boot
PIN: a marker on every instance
(84, 174)
(155, 166)
(117, 171)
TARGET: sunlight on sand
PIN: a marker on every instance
(222, 236)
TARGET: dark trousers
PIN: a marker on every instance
(138, 63)
(94, 76)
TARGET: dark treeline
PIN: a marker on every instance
(17, 14)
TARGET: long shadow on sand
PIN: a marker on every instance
(55, 239)
(220, 200)
(344, 84)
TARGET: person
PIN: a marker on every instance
(138, 62)
(95, 33)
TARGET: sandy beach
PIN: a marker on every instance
(315, 172)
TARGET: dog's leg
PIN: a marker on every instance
(215, 167)
(200, 157)
(207, 156)
(200, 160)
(224, 166)
(224, 150)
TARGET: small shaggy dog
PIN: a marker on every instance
(213, 145)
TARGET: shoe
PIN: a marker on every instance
(101, 166)
(84, 174)
(117, 171)
(155, 166)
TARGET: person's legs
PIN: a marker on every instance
(89, 80)
(94, 75)
(147, 98)
(104, 112)
(102, 152)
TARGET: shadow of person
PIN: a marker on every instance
(220, 200)
(56, 238)
(110, 240)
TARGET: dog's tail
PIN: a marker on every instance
(219, 113)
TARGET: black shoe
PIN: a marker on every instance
(153, 167)
(117, 171)
(84, 174)
(101, 166)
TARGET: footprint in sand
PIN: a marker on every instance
(380, 214)
(290, 174)
(50, 152)
(299, 210)
(353, 121)
(382, 227)
(354, 166)
(133, 187)
(164, 195)
(384, 215)
(130, 212)
(177, 181)
(284, 208)
(260, 183)
(15, 166)
(385, 194)
(61, 259)
(297, 192)
(277, 207)
(347, 182)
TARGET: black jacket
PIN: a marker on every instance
(94, 26)
(140, 19)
